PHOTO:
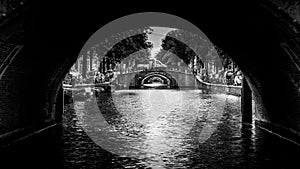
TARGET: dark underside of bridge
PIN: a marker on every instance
(260, 38)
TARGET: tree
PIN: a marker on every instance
(186, 46)
(224, 57)
(116, 48)
(128, 46)
(178, 48)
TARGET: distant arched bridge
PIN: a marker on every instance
(172, 79)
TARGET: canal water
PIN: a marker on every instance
(166, 129)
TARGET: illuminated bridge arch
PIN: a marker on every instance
(167, 80)
(140, 79)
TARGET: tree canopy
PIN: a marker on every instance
(121, 45)
(187, 46)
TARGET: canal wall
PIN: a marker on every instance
(206, 87)
(219, 88)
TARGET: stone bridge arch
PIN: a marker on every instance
(167, 79)
(262, 40)
(171, 81)
(273, 38)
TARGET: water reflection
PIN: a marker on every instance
(161, 129)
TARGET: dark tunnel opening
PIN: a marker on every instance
(263, 44)
(110, 104)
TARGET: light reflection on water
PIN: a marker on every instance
(158, 127)
(188, 130)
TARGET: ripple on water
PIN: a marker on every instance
(158, 128)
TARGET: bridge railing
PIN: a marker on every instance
(167, 70)
(220, 88)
